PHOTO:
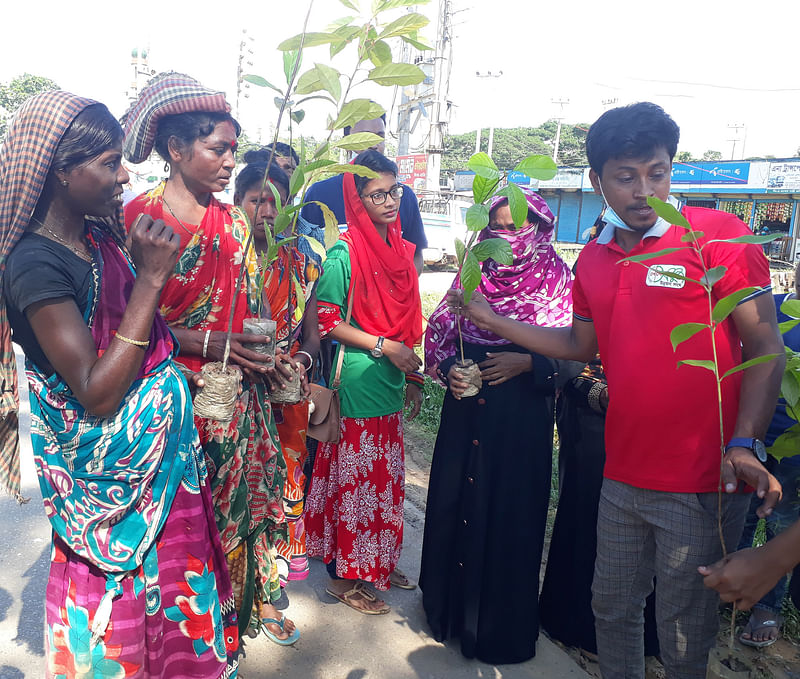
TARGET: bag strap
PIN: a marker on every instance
(340, 358)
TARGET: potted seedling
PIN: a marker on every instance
(723, 663)
(470, 254)
(325, 83)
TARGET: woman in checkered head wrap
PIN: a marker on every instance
(192, 130)
(118, 460)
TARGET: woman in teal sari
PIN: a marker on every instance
(138, 585)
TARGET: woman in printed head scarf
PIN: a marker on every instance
(192, 129)
(138, 585)
(368, 298)
(490, 475)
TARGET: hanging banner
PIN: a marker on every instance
(784, 177)
(710, 173)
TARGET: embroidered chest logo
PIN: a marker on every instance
(658, 276)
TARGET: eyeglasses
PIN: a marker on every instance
(379, 197)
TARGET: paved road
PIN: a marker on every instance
(336, 643)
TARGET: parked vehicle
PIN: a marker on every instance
(443, 217)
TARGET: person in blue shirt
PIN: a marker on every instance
(764, 624)
(329, 191)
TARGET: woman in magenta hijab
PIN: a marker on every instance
(490, 476)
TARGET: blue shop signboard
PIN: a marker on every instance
(710, 173)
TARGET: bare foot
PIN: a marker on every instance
(269, 611)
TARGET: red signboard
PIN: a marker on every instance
(412, 170)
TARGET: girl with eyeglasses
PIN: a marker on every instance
(368, 298)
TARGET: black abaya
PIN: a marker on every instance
(486, 514)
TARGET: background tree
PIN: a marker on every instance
(511, 144)
(683, 157)
(712, 156)
(14, 93)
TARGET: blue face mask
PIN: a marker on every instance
(611, 217)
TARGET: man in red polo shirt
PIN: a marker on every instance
(658, 509)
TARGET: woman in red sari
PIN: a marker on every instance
(354, 511)
(290, 269)
(192, 129)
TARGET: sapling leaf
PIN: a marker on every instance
(318, 248)
(497, 249)
(726, 305)
(317, 164)
(482, 188)
(380, 53)
(708, 365)
(360, 170)
(311, 40)
(408, 23)
(301, 298)
(356, 110)
(668, 212)
(321, 77)
(757, 240)
(358, 141)
(787, 444)
(712, 276)
(275, 195)
(279, 102)
(460, 251)
(321, 150)
(416, 42)
(477, 217)
(260, 82)
(331, 225)
(296, 181)
(297, 115)
(349, 4)
(681, 333)
(338, 23)
(396, 74)
(749, 364)
(692, 236)
(539, 167)
(291, 61)
(790, 390)
(650, 255)
(470, 275)
(282, 222)
(481, 164)
(518, 204)
(786, 326)
(791, 307)
(347, 35)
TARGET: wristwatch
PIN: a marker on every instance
(756, 445)
(377, 352)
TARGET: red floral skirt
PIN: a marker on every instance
(354, 509)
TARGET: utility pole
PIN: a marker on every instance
(441, 82)
(244, 58)
(736, 127)
(487, 74)
(561, 103)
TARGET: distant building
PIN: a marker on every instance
(764, 194)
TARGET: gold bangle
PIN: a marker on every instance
(136, 343)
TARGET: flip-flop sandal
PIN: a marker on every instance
(358, 590)
(749, 628)
(400, 580)
(288, 641)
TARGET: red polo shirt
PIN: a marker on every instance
(662, 426)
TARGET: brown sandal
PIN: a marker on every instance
(399, 579)
(356, 595)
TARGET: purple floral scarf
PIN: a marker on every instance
(536, 288)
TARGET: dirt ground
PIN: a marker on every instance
(779, 661)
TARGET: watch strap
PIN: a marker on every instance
(741, 442)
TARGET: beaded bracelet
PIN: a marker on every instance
(594, 397)
(136, 343)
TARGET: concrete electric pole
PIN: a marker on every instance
(561, 103)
